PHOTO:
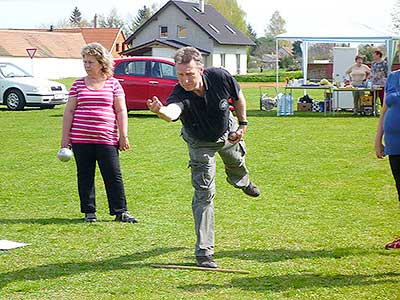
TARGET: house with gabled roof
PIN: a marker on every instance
(57, 52)
(181, 23)
(111, 38)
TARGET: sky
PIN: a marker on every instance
(300, 16)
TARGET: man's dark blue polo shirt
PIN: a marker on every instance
(207, 118)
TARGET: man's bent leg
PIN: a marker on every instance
(233, 156)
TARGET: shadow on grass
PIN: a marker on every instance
(282, 283)
(142, 114)
(52, 271)
(20, 111)
(303, 114)
(47, 221)
(276, 255)
(137, 114)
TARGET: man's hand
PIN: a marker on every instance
(154, 105)
(237, 136)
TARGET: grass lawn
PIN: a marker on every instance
(318, 230)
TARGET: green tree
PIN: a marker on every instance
(251, 32)
(265, 45)
(276, 25)
(142, 16)
(232, 12)
(76, 17)
(297, 49)
(113, 20)
(366, 51)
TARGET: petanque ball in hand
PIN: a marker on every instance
(232, 136)
(64, 154)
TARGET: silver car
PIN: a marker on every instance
(19, 89)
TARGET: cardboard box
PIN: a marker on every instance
(366, 100)
(304, 106)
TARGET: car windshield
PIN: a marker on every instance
(8, 70)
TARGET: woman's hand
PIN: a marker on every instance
(123, 143)
(379, 150)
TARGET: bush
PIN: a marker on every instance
(269, 76)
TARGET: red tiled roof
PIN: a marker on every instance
(104, 36)
(48, 44)
(60, 43)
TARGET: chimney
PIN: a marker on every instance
(201, 6)
(95, 21)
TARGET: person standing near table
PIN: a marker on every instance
(389, 130)
(200, 101)
(358, 73)
(95, 124)
(379, 72)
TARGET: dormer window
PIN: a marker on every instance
(164, 32)
(214, 28)
(196, 9)
(230, 29)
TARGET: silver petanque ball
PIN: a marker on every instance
(64, 154)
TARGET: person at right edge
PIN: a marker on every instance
(200, 101)
(379, 71)
(389, 130)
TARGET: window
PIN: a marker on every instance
(214, 28)
(196, 9)
(230, 29)
(163, 32)
(237, 63)
(163, 70)
(133, 68)
(222, 60)
(182, 31)
(117, 47)
(168, 71)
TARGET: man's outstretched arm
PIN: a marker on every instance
(168, 113)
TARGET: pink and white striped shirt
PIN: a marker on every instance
(95, 121)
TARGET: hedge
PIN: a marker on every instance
(269, 77)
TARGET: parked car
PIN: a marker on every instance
(19, 89)
(143, 77)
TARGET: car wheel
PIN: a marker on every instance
(15, 100)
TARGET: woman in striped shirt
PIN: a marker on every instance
(95, 124)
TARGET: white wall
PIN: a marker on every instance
(230, 58)
(49, 68)
(163, 52)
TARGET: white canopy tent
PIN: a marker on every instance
(351, 33)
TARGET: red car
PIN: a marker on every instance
(143, 77)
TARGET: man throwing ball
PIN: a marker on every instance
(200, 101)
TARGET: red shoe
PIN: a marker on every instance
(393, 245)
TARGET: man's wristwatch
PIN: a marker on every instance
(243, 123)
